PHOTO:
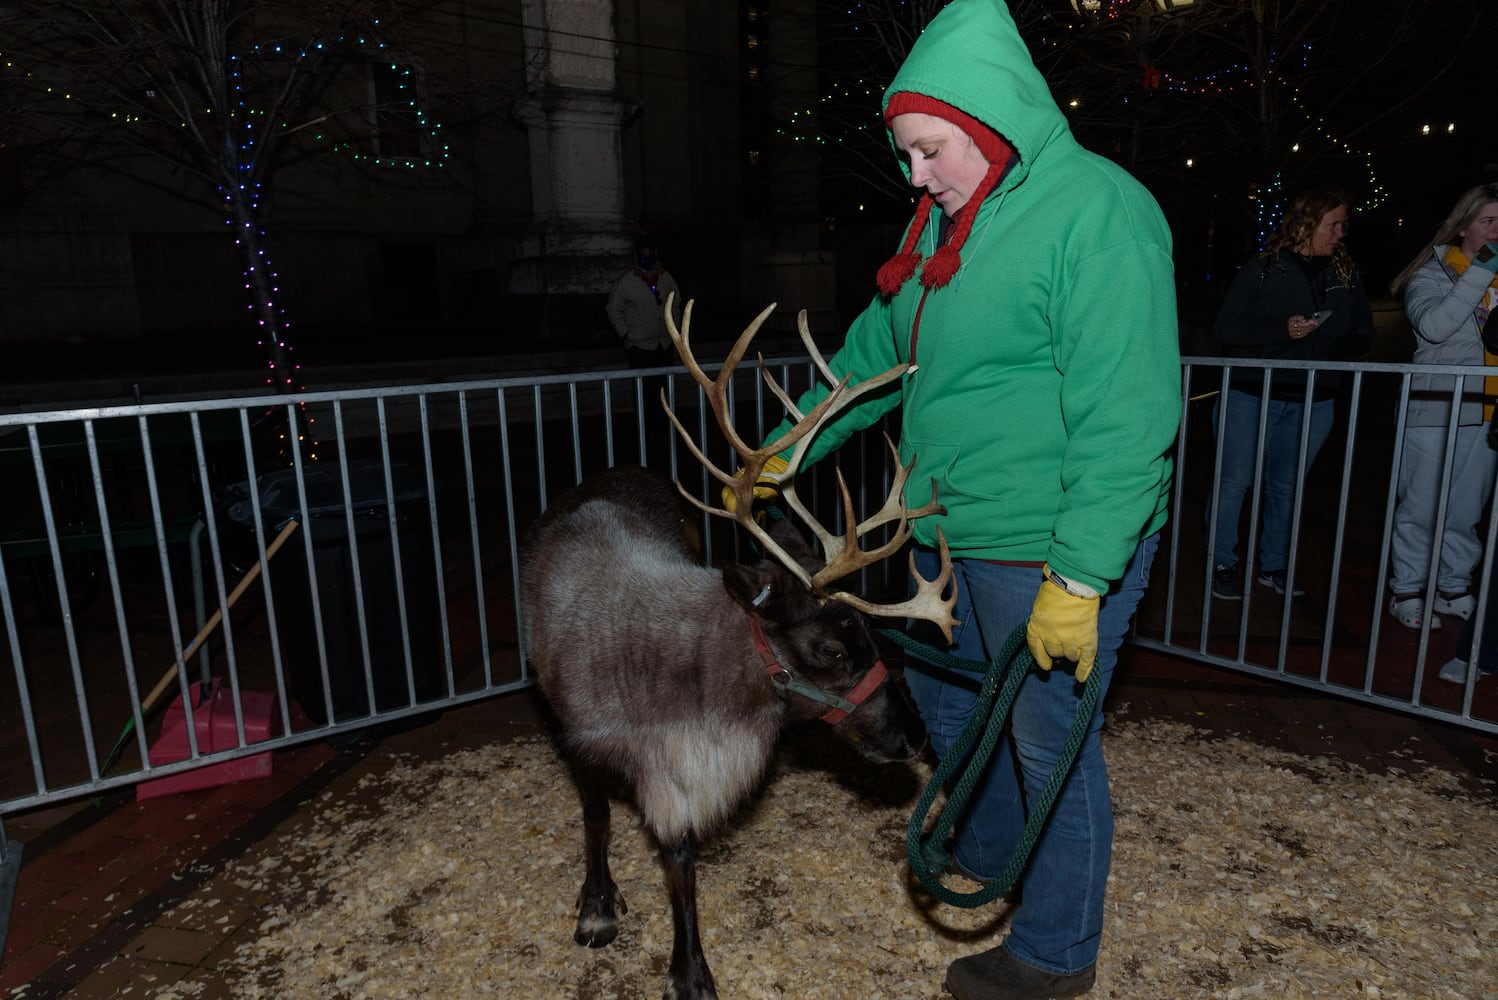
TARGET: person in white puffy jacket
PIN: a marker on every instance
(1449, 288)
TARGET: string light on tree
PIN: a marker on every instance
(247, 132)
(1376, 193)
(230, 104)
(1270, 207)
(1222, 81)
(1230, 78)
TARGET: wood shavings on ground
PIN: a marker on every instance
(1239, 872)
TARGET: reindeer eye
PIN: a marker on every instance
(834, 652)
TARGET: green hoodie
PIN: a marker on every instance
(1046, 388)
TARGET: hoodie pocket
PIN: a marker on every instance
(973, 519)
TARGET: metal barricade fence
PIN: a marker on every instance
(1337, 636)
(394, 595)
(132, 533)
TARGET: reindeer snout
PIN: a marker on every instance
(886, 728)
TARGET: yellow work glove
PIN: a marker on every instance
(766, 488)
(1063, 625)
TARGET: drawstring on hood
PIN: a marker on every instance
(942, 266)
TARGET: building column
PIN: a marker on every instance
(578, 241)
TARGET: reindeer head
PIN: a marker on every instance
(822, 656)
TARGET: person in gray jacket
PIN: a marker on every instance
(1448, 289)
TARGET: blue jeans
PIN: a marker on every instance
(1238, 437)
(1059, 922)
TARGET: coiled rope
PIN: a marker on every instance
(927, 853)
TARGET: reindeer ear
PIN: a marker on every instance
(751, 587)
(760, 590)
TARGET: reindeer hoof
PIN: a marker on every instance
(690, 979)
(597, 919)
(595, 933)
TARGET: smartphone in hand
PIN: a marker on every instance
(1321, 316)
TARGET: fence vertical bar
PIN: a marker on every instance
(10, 872)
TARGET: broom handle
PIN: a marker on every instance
(218, 616)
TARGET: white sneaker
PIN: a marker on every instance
(1454, 671)
(1459, 607)
(1410, 612)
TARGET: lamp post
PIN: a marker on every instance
(1141, 33)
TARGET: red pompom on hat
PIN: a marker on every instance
(942, 266)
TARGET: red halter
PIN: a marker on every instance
(842, 706)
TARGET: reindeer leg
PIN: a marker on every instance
(599, 903)
(690, 977)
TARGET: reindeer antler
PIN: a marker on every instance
(843, 555)
(931, 601)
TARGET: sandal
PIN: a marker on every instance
(1454, 670)
(1460, 606)
(1409, 611)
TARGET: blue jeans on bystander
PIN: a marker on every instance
(1238, 437)
(1059, 922)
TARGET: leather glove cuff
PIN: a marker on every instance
(1075, 588)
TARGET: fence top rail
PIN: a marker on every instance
(1390, 367)
(22, 418)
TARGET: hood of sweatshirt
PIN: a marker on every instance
(972, 57)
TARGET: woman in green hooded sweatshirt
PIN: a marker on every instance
(1033, 304)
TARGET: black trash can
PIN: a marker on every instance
(338, 589)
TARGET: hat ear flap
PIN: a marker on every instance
(941, 267)
(896, 271)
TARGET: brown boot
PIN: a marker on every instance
(996, 974)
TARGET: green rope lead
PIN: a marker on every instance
(1010, 667)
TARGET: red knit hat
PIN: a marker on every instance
(942, 266)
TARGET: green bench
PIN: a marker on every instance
(28, 549)
(22, 543)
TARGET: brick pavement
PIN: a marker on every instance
(121, 898)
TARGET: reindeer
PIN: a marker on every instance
(677, 677)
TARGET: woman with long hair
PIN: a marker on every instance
(1448, 289)
(1302, 299)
